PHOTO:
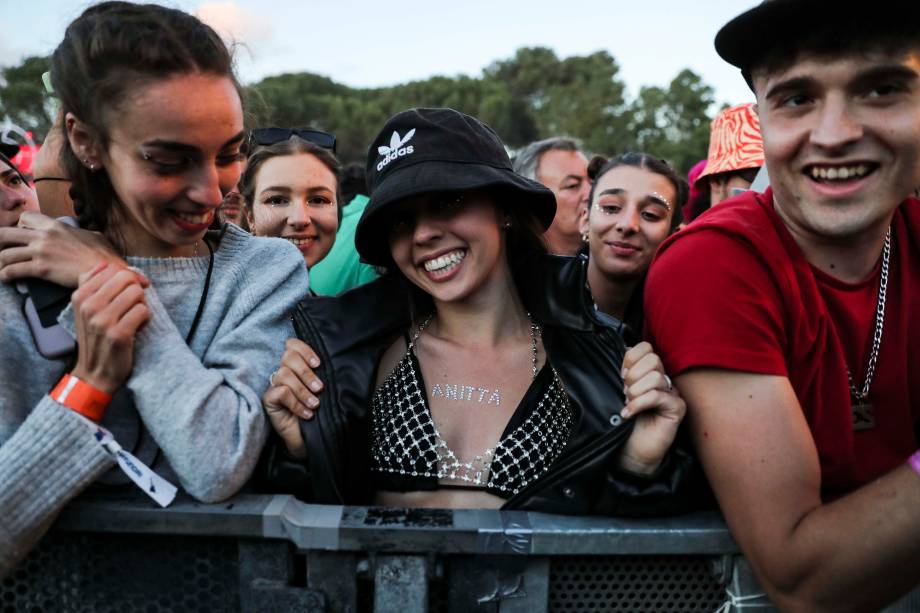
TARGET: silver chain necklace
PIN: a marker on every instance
(863, 411)
(534, 333)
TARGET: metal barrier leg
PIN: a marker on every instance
(336, 576)
(400, 583)
(266, 574)
(503, 584)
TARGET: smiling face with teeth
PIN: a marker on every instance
(172, 154)
(842, 141)
(452, 246)
(295, 199)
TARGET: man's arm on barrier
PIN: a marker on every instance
(856, 553)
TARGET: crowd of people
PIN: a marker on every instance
(447, 327)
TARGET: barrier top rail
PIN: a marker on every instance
(376, 529)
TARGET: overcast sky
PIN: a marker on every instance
(379, 42)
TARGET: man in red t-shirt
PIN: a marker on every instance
(792, 318)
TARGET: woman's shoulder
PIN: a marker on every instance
(270, 260)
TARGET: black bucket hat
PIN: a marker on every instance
(747, 38)
(421, 151)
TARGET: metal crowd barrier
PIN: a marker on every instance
(274, 553)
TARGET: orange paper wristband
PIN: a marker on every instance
(81, 397)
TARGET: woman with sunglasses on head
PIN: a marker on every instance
(290, 190)
(182, 344)
(473, 374)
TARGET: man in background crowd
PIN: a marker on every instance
(735, 153)
(558, 164)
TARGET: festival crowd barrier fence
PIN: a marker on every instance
(117, 552)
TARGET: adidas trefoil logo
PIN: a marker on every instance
(396, 149)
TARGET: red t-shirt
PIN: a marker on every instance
(733, 290)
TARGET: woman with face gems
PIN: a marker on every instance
(635, 204)
(290, 190)
(180, 343)
(471, 375)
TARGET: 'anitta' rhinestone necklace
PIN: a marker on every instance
(863, 411)
(466, 392)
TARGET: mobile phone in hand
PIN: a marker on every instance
(44, 302)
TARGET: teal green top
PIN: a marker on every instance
(342, 268)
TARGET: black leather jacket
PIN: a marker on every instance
(350, 334)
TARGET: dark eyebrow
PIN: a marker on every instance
(885, 72)
(276, 188)
(876, 73)
(653, 199)
(235, 140)
(170, 145)
(613, 191)
(789, 85)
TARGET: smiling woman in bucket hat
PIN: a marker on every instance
(499, 386)
(439, 150)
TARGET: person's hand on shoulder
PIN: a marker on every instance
(109, 308)
(44, 248)
(657, 406)
(291, 394)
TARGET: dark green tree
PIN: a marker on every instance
(23, 98)
(673, 123)
(579, 96)
(529, 96)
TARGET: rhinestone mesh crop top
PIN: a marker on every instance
(409, 454)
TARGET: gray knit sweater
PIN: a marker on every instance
(199, 402)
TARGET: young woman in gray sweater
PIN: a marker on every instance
(185, 341)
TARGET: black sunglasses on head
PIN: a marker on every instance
(263, 137)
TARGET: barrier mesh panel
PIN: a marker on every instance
(124, 573)
(634, 583)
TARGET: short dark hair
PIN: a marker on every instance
(600, 166)
(292, 146)
(862, 36)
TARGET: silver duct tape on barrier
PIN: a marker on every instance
(308, 526)
(513, 536)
